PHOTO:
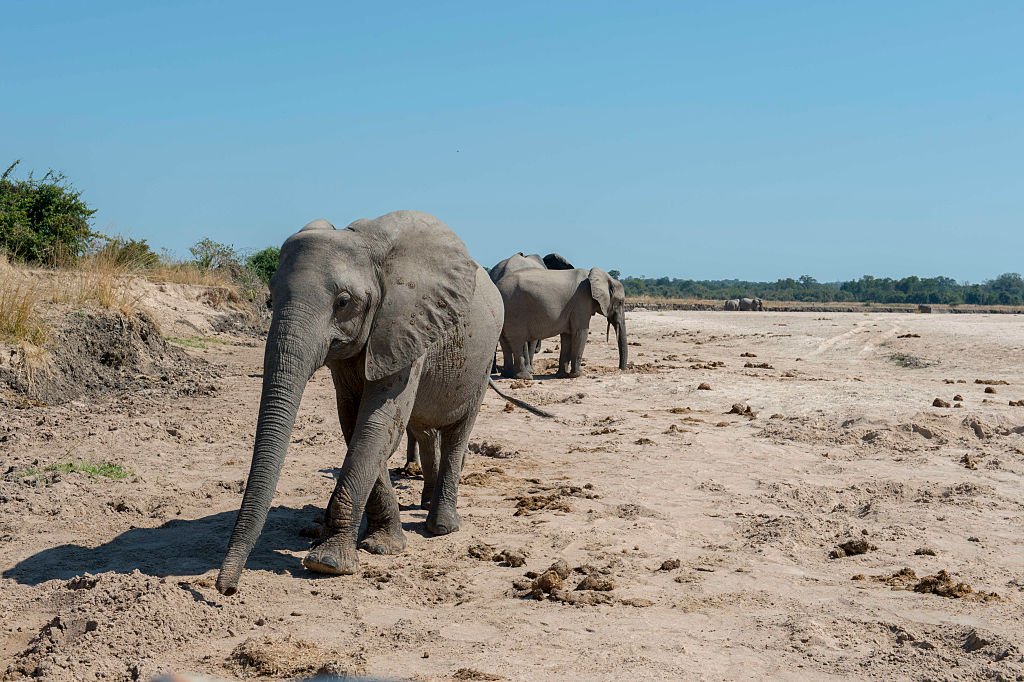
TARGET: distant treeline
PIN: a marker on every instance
(1006, 289)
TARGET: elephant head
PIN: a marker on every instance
(377, 294)
(610, 296)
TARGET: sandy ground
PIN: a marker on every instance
(713, 529)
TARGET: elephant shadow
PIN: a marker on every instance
(178, 547)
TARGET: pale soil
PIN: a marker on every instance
(751, 508)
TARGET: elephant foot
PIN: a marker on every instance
(525, 374)
(443, 522)
(425, 499)
(384, 540)
(575, 374)
(335, 556)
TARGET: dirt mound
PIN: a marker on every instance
(95, 354)
(96, 632)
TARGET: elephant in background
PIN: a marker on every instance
(543, 303)
(751, 304)
(732, 304)
(520, 261)
(405, 320)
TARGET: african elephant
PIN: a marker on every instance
(521, 261)
(404, 319)
(732, 304)
(751, 304)
(542, 303)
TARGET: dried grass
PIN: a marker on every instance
(188, 273)
(97, 279)
(20, 298)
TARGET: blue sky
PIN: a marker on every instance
(753, 140)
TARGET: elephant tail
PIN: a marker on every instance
(519, 403)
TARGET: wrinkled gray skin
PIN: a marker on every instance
(543, 303)
(751, 304)
(405, 320)
(732, 304)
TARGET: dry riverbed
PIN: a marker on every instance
(809, 514)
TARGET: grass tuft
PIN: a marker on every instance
(91, 469)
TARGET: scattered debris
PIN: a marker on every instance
(742, 409)
(851, 548)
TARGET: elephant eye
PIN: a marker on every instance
(343, 300)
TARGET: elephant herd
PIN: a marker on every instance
(407, 323)
(744, 304)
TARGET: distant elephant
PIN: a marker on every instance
(732, 304)
(543, 303)
(404, 319)
(555, 261)
(514, 263)
(521, 261)
(751, 304)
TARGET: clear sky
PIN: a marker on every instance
(704, 140)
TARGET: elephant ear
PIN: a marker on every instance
(427, 281)
(600, 289)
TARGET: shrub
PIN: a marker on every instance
(263, 263)
(211, 255)
(43, 220)
(129, 253)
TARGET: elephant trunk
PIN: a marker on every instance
(620, 334)
(288, 364)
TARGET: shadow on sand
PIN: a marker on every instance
(178, 547)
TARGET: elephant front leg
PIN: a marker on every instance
(564, 355)
(579, 342)
(384, 533)
(383, 412)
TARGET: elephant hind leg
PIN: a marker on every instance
(443, 517)
(430, 446)
(564, 355)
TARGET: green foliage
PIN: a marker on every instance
(263, 263)
(43, 220)
(211, 255)
(615, 274)
(130, 253)
(1007, 289)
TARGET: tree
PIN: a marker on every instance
(615, 274)
(211, 255)
(263, 263)
(43, 220)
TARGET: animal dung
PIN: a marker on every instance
(939, 402)
(704, 387)
(989, 389)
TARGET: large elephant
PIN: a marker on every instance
(732, 304)
(751, 304)
(405, 320)
(543, 303)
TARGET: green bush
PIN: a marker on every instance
(263, 263)
(130, 253)
(43, 220)
(211, 255)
